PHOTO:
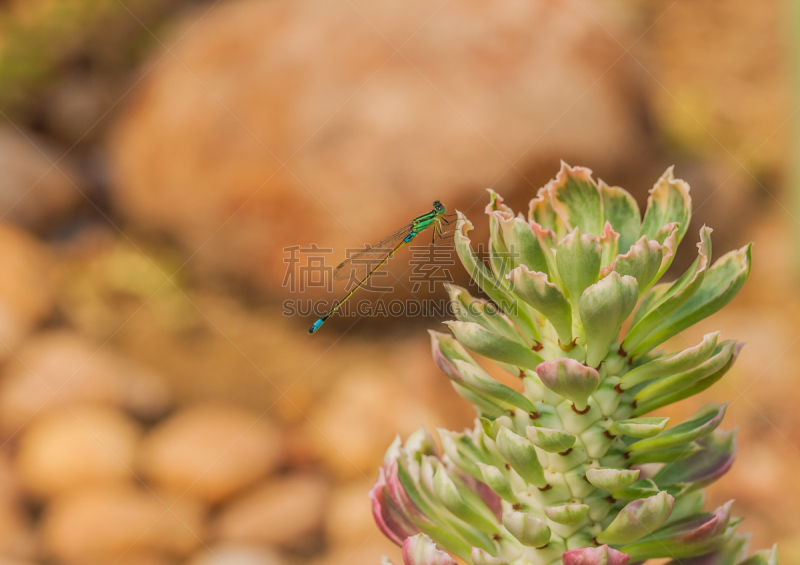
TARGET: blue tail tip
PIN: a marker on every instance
(316, 326)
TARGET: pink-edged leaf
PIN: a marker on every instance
(602, 555)
(705, 467)
(420, 550)
(388, 515)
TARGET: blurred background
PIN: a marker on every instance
(160, 159)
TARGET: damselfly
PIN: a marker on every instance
(359, 263)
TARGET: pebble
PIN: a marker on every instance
(235, 554)
(67, 448)
(212, 450)
(77, 370)
(35, 194)
(104, 522)
(349, 517)
(284, 512)
(26, 292)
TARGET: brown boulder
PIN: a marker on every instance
(476, 96)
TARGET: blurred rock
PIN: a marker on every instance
(26, 296)
(84, 445)
(211, 451)
(17, 538)
(35, 194)
(235, 554)
(102, 523)
(336, 429)
(348, 519)
(367, 552)
(136, 557)
(283, 512)
(10, 487)
(724, 81)
(369, 136)
(76, 370)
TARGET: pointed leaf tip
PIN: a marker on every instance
(536, 289)
(569, 378)
(577, 200)
(528, 530)
(578, 260)
(420, 550)
(638, 519)
(603, 308)
(669, 201)
(481, 557)
(602, 555)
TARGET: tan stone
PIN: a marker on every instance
(64, 449)
(35, 193)
(283, 512)
(368, 137)
(211, 450)
(235, 554)
(348, 519)
(17, 537)
(105, 522)
(76, 370)
(352, 426)
(367, 552)
(26, 295)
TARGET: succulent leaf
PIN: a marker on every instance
(603, 308)
(494, 346)
(669, 300)
(763, 557)
(622, 212)
(701, 424)
(668, 384)
(687, 391)
(638, 519)
(578, 260)
(642, 262)
(420, 550)
(705, 467)
(722, 283)
(521, 456)
(535, 289)
(612, 479)
(568, 514)
(576, 198)
(570, 379)
(477, 379)
(639, 427)
(609, 247)
(671, 364)
(496, 289)
(602, 555)
(529, 531)
(481, 557)
(552, 441)
(668, 202)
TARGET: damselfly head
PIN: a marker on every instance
(438, 206)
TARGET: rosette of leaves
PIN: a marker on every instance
(568, 467)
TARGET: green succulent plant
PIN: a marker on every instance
(568, 467)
